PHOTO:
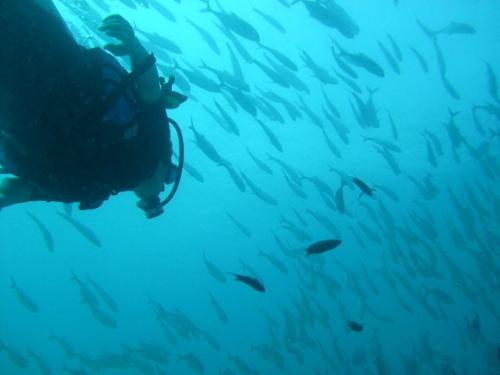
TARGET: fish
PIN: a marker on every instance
(272, 74)
(239, 225)
(271, 136)
(420, 59)
(228, 79)
(365, 189)
(232, 127)
(278, 264)
(342, 64)
(83, 229)
(221, 314)
(105, 296)
(282, 58)
(271, 20)
(243, 99)
(394, 129)
(235, 24)
(47, 236)
(250, 281)
(332, 15)
(333, 148)
(261, 194)
(354, 326)
(390, 59)
(361, 60)
(339, 198)
(22, 297)
(163, 42)
(206, 36)
(197, 78)
(389, 146)
(192, 171)
(269, 110)
(322, 246)
(206, 147)
(213, 270)
(431, 156)
(235, 176)
(395, 48)
(164, 12)
(263, 166)
(390, 159)
(318, 71)
(16, 357)
(457, 28)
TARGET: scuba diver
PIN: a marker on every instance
(75, 126)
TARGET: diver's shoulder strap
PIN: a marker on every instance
(125, 83)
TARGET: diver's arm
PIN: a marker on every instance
(116, 26)
(148, 87)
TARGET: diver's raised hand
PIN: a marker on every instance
(118, 27)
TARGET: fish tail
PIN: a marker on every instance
(13, 283)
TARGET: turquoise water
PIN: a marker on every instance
(418, 265)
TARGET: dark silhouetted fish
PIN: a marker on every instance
(322, 246)
(343, 65)
(235, 24)
(421, 60)
(105, 296)
(239, 225)
(365, 189)
(49, 240)
(282, 58)
(395, 48)
(457, 28)
(206, 147)
(221, 314)
(22, 297)
(339, 198)
(271, 136)
(354, 326)
(250, 281)
(362, 61)
(235, 176)
(263, 166)
(261, 194)
(271, 20)
(332, 15)
(390, 59)
(214, 271)
(83, 229)
(206, 36)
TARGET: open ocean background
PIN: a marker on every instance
(419, 263)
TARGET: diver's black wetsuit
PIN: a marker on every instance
(52, 131)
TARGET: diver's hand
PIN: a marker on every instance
(118, 27)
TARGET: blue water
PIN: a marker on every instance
(427, 299)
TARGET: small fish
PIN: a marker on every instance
(49, 241)
(25, 300)
(421, 60)
(322, 246)
(214, 270)
(363, 186)
(250, 281)
(339, 198)
(354, 326)
(83, 229)
(457, 28)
